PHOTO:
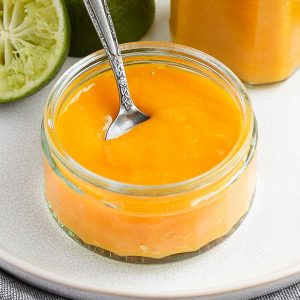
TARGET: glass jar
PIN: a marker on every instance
(140, 223)
(259, 40)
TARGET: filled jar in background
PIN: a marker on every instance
(259, 40)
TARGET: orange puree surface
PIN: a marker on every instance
(194, 124)
(258, 39)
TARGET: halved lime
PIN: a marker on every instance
(34, 42)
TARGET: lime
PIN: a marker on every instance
(132, 19)
(34, 42)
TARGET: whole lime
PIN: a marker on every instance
(132, 19)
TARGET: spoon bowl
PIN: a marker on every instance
(124, 122)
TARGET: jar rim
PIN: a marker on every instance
(160, 48)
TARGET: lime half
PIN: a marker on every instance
(34, 42)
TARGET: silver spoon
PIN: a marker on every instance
(129, 115)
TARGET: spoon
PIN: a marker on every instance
(129, 115)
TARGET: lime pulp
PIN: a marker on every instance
(34, 42)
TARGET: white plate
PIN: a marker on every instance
(263, 254)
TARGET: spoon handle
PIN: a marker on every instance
(101, 18)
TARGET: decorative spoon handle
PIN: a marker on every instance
(100, 16)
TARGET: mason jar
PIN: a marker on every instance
(259, 40)
(149, 223)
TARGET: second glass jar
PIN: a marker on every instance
(259, 40)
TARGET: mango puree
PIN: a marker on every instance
(257, 39)
(194, 125)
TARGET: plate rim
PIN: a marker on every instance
(16, 264)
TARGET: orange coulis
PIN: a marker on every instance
(194, 124)
(258, 39)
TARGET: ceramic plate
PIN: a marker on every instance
(263, 254)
